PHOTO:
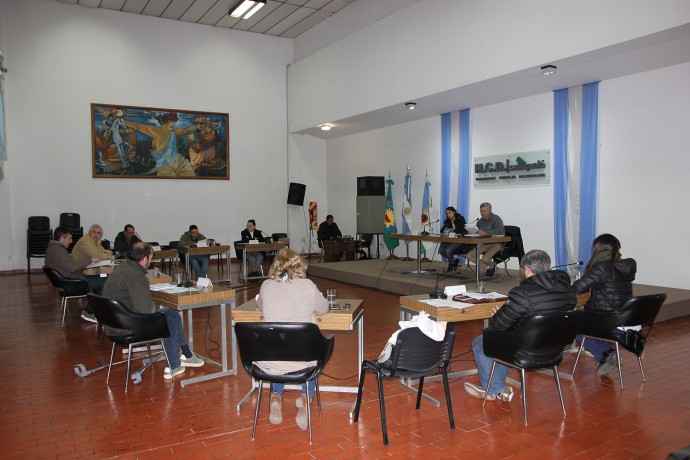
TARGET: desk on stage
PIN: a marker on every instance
(196, 299)
(205, 251)
(348, 248)
(341, 320)
(477, 241)
(253, 247)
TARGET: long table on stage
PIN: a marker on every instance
(339, 320)
(253, 247)
(477, 241)
(189, 301)
(205, 250)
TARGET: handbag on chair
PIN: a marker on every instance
(633, 341)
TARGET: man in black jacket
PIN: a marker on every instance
(542, 290)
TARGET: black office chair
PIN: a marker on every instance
(637, 311)
(513, 248)
(364, 241)
(536, 343)
(38, 235)
(239, 254)
(68, 288)
(282, 238)
(145, 329)
(72, 221)
(414, 356)
(283, 342)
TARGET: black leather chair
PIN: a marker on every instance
(364, 241)
(38, 235)
(283, 342)
(145, 329)
(239, 254)
(513, 248)
(281, 237)
(637, 311)
(72, 221)
(536, 343)
(414, 356)
(68, 288)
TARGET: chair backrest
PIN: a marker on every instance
(514, 248)
(70, 286)
(548, 330)
(112, 313)
(415, 352)
(174, 244)
(282, 342)
(70, 220)
(641, 310)
(238, 251)
(39, 223)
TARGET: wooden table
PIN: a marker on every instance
(166, 254)
(477, 241)
(347, 247)
(189, 301)
(205, 250)
(254, 247)
(341, 320)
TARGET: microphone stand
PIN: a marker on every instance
(437, 293)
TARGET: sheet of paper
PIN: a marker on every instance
(443, 303)
(162, 286)
(450, 291)
(201, 244)
(102, 263)
(488, 295)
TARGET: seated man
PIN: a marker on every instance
(126, 239)
(89, 246)
(128, 284)
(199, 263)
(61, 261)
(488, 224)
(542, 290)
(328, 230)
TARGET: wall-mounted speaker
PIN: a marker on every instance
(371, 186)
(296, 194)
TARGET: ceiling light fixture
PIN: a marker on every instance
(245, 9)
(410, 105)
(548, 70)
(326, 127)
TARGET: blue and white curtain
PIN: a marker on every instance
(455, 161)
(576, 152)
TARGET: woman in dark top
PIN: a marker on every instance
(608, 278)
(255, 259)
(454, 223)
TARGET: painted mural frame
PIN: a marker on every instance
(130, 142)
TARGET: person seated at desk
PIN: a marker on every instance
(608, 277)
(89, 246)
(199, 263)
(128, 284)
(488, 224)
(541, 290)
(126, 239)
(328, 230)
(288, 296)
(69, 266)
(454, 223)
(254, 258)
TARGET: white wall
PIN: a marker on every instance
(643, 198)
(63, 58)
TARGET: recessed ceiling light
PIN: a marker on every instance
(548, 70)
(325, 127)
(410, 105)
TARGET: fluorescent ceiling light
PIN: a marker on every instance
(246, 8)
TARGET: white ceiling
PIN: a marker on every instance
(282, 18)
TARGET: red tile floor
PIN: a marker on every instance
(48, 412)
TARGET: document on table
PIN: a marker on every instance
(102, 263)
(171, 288)
(442, 303)
(486, 296)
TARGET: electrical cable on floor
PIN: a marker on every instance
(338, 378)
(421, 275)
(214, 352)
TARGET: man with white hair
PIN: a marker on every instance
(488, 224)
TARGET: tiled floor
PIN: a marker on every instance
(46, 411)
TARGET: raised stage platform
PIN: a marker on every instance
(386, 275)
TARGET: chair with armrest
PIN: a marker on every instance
(68, 288)
(414, 356)
(283, 342)
(600, 325)
(145, 329)
(536, 343)
(513, 248)
(38, 235)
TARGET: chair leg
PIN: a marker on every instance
(382, 408)
(63, 308)
(620, 370)
(318, 394)
(524, 395)
(112, 355)
(129, 363)
(420, 388)
(308, 413)
(358, 401)
(488, 385)
(577, 358)
(258, 404)
(449, 404)
(558, 385)
(639, 361)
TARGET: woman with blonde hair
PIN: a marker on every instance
(288, 296)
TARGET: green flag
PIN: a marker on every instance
(389, 226)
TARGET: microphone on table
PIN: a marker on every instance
(579, 262)
(424, 232)
(475, 220)
(438, 293)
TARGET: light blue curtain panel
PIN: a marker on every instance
(560, 174)
(464, 173)
(445, 161)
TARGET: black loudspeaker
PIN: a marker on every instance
(296, 194)
(371, 186)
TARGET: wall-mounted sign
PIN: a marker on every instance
(513, 169)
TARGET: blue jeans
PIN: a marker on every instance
(176, 339)
(200, 265)
(278, 388)
(96, 283)
(484, 364)
(448, 250)
(598, 347)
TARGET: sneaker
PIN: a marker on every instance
(276, 415)
(456, 262)
(506, 395)
(301, 418)
(477, 391)
(86, 316)
(194, 361)
(490, 272)
(167, 375)
(608, 362)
